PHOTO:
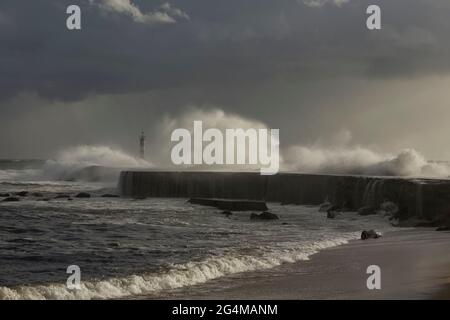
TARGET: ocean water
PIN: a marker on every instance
(127, 247)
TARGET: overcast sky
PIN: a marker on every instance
(310, 68)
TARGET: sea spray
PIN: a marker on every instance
(69, 161)
(361, 161)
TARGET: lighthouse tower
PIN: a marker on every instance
(142, 145)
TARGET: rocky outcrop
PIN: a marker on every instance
(83, 195)
(21, 193)
(264, 216)
(369, 234)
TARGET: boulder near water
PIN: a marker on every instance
(264, 216)
(83, 195)
(369, 234)
(21, 193)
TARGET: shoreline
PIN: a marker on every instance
(415, 264)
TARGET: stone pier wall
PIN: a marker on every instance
(421, 198)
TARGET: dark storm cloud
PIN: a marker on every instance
(309, 67)
(225, 43)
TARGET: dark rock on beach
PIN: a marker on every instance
(4, 195)
(83, 195)
(370, 234)
(11, 199)
(110, 196)
(444, 228)
(264, 216)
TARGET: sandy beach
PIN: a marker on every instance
(415, 264)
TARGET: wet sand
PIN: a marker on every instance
(415, 264)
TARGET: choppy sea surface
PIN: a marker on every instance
(127, 247)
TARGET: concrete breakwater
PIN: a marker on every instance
(420, 198)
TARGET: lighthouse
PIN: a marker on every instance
(142, 145)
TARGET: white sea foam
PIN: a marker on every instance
(179, 276)
(359, 160)
(73, 159)
(69, 161)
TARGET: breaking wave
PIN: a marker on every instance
(179, 276)
(362, 161)
(68, 163)
(334, 155)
